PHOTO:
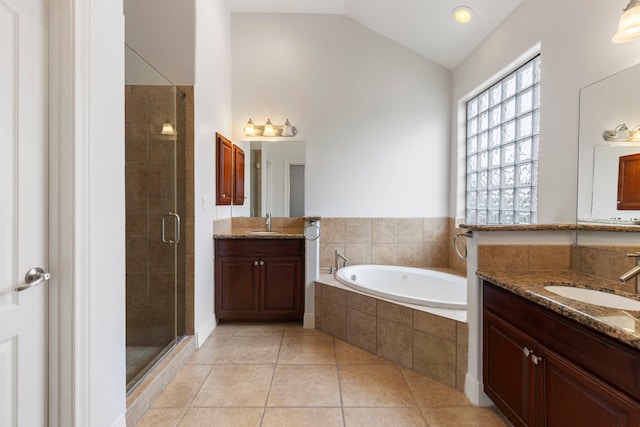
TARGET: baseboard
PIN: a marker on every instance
(309, 321)
(121, 421)
(475, 394)
(204, 330)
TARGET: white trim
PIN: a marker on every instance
(309, 321)
(69, 32)
(474, 392)
(81, 211)
(121, 421)
(204, 330)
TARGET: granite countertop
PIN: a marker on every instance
(586, 226)
(622, 325)
(255, 233)
(519, 227)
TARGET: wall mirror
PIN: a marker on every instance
(603, 106)
(274, 179)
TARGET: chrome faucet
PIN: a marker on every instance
(634, 271)
(344, 259)
(268, 224)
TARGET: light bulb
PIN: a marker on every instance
(462, 14)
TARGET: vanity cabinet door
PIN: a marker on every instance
(238, 176)
(571, 396)
(283, 283)
(509, 375)
(237, 292)
(224, 173)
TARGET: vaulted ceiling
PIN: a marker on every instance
(424, 26)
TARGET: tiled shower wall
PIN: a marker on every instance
(413, 242)
(149, 169)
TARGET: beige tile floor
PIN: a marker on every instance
(284, 375)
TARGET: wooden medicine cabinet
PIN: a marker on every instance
(229, 172)
(629, 182)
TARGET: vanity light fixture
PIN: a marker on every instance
(629, 26)
(615, 135)
(269, 129)
(463, 14)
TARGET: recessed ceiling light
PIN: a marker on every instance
(462, 14)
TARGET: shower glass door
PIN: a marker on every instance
(153, 223)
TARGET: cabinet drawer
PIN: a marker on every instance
(612, 361)
(244, 247)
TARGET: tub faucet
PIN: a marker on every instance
(344, 259)
(634, 271)
(268, 224)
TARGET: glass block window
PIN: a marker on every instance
(502, 150)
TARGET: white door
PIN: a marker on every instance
(23, 212)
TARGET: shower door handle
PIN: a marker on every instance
(177, 227)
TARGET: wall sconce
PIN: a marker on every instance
(168, 129)
(618, 134)
(249, 129)
(269, 129)
(629, 26)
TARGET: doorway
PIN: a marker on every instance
(296, 190)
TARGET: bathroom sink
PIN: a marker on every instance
(263, 232)
(594, 297)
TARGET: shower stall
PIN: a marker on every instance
(155, 188)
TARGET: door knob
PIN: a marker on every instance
(34, 277)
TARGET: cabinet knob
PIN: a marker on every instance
(261, 262)
(535, 359)
(255, 262)
(526, 352)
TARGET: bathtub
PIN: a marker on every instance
(407, 284)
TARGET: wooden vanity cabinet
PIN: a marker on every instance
(259, 279)
(542, 369)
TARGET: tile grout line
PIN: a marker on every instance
(273, 375)
(212, 366)
(337, 366)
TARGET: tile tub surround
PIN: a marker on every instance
(427, 343)
(411, 242)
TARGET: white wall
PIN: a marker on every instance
(106, 207)
(212, 98)
(576, 51)
(374, 115)
(163, 32)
